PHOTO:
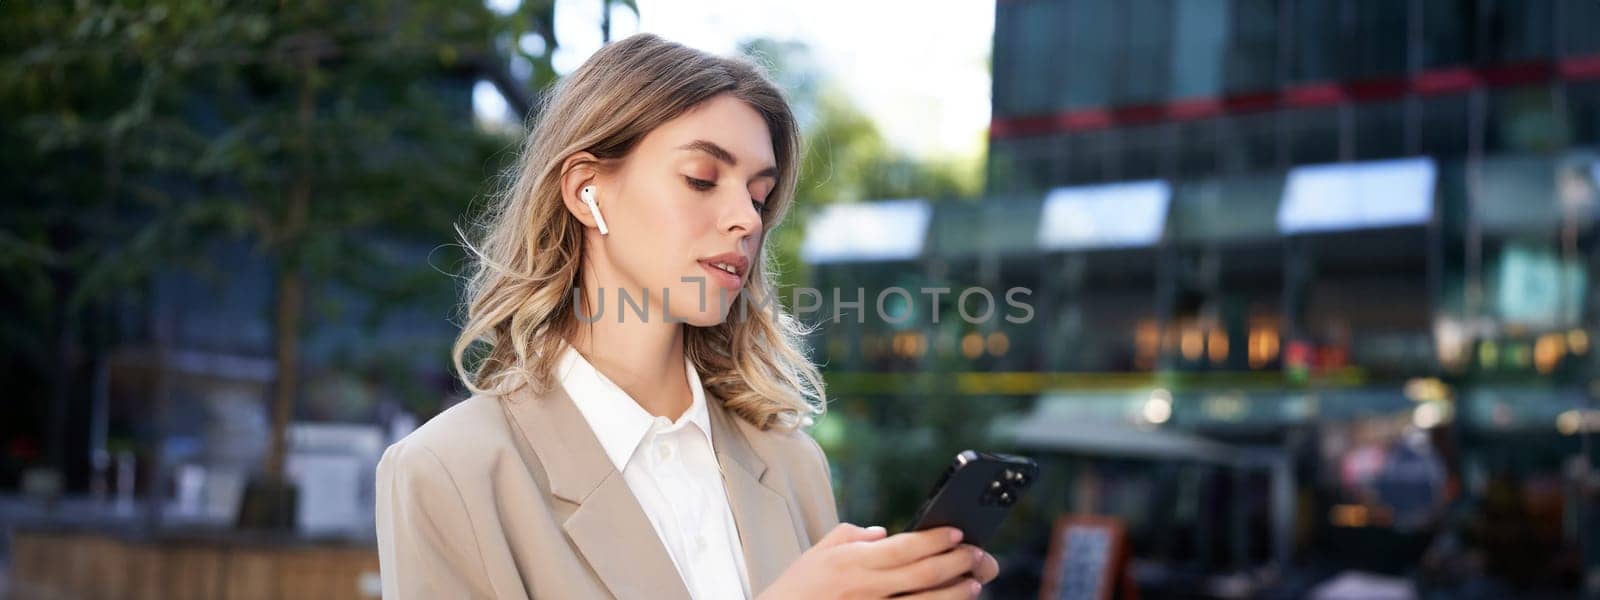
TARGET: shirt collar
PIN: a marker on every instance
(617, 420)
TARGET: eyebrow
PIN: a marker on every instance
(723, 155)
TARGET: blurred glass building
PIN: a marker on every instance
(1310, 285)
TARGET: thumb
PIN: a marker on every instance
(846, 533)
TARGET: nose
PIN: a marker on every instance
(743, 220)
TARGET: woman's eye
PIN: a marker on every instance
(703, 185)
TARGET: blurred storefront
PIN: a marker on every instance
(1311, 288)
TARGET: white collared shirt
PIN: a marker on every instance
(672, 469)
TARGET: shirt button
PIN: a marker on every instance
(700, 542)
(663, 451)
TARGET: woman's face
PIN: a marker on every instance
(685, 202)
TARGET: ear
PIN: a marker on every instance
(578, 170)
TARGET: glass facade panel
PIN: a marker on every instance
(1518, 31)
(1448, 28)
(1200, 38)
(1147, 41)
(1578, 27)
(1087, 154)
(1317, 47)
(1583, 109)
(1523, 119)
(1444, 125)
(1090, 56)
(1230, 208)
(1033, 163)
(1197, 149)
(1040, 42)
(1379, 30)
(1380, 130)
(1145, 152)
(1253, 52)
(1248, 143)
(1006, 58)
(1313, 135)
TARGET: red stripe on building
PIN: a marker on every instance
(1427, 83)
(1141, 113)
(1083, 120)
(1519, 74)
(1241, 103)
(1023, 126)
(1445, 81)
(1580, 67)
(1193, 108)
(1377, 90)
(1318, 94)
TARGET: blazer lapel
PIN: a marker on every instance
(766, 529)
(608, 527)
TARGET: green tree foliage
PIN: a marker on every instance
(136, 134)
(846, 158)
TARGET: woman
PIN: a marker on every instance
(632, 431)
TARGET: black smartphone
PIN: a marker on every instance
(975, 493)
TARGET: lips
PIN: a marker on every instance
(728, 268)
(728, 262)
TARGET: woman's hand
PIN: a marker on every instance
(854, 562)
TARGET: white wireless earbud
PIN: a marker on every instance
(588, 198)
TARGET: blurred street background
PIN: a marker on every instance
(1312, 282)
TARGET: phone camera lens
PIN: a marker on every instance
(994, 486)
(1006, 499)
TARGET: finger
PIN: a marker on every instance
(984, 570)
(933, 572)
(963, 589)
(987, 567)
(845, 533)
(906, 548)
(943, 584)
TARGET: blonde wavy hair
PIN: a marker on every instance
(529, 249)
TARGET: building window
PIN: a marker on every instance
(1447, 33)
(1444, 126)
(1090, 54)
(1380, 130)
(1145, 46)
(1313, 135)
(1200, 38)
(1579, 21)
(1519, 31)
(1583, 109)
(1318, 48)
(1249, 143)
(1034, 81)
(1380, 31)
(1253, 56)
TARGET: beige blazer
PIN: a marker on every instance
(513, 497)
